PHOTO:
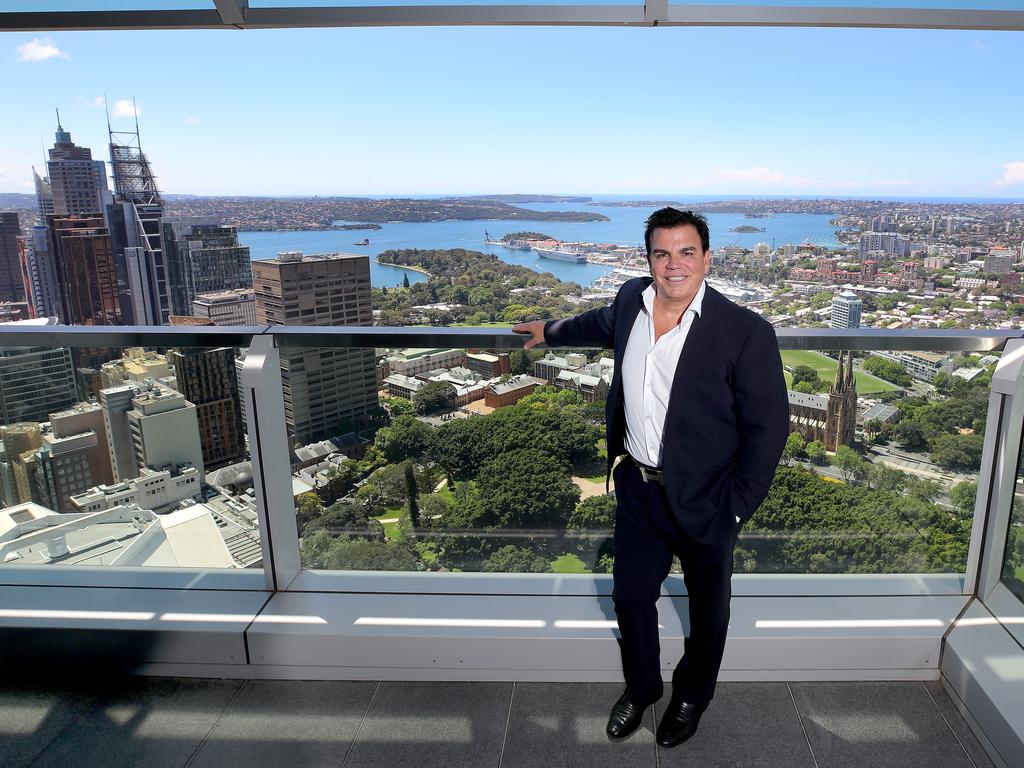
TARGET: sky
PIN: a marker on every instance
(575, 110)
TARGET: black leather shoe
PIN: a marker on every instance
(625, 718)
(678, 723)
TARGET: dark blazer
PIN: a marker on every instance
(728, 413)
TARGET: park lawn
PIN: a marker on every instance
(568, 564)
(391, 530)
(826, 368)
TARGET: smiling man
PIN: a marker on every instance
(698, 407)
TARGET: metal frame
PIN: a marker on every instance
(236, 14)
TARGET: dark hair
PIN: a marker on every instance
(667, 218)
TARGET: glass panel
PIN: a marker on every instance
(1013, 555)
(370, 3)
(124, 457)
(973, 5)
(104, 5)
(494, 461)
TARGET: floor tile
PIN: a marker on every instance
(33, 714)
(748, 725)
(960, 727)
(562, 724)
(877, 724)
(432, 725)
(288, 723)
(151, 722)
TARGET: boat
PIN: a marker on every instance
(364, 241)
(560, 254)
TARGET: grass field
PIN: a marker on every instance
(568, 564)
(826, 368)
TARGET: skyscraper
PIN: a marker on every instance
(86, 274)
(40, 271)
(11, 288)
(165, 430)
(327, 391)
(237, 307)
(135, 231)
(34, 382)
(78, 183)
(206, 377)
(44, 195)
(846, 308)
(201, 258)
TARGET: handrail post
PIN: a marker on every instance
(271, 462)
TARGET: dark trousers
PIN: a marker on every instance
(647, 536)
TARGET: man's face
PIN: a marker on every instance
(678, 263)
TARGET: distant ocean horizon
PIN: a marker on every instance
(625, 227)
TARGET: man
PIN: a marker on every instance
(698, 407)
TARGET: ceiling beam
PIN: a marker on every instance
(515, 15)
(232, 11)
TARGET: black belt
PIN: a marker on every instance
(649, 474)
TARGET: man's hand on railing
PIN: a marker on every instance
(535, 329)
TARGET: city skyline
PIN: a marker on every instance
(334, 112)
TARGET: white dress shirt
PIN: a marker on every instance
(648, 368)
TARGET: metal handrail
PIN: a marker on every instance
(864, 339)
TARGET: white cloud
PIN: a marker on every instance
(40, 49)
(1013, 174)
(757, 176)
(98, 101)
(192, 120)
(125, 108)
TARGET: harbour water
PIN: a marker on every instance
(625, 227)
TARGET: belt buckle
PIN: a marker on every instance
(643, 473)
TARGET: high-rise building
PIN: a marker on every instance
(34, 382)
(999, 261)
(116, 402)
(11, 288)
(78, 183)
(86, 275)
(327, 391)
(40, 275)
(135, 230)
(846, 308)
(165, 429)
(17, 482)
(86, 417)
(206, 377)
(237, 307)
(44, 195)
(202, 259)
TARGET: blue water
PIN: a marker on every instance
(626, 227)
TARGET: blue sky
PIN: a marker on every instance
(560, 110)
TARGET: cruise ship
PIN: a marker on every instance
(560, 254)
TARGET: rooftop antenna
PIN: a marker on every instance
(55, 109)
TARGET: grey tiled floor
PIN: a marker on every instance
(155, 722)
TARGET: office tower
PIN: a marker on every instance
(327, 391)
(135, 365)
(206, 378)
(950, 225)
(846, 309)
(44, 195)
(40, 275)
(201, 259)
(63, 467)
(17, 483)
(11, 288)
(77, 420)
(999, 261)
(116, 402)
(78, 183)
(86, 274)
(165, 429)
(135, 230)
(34, 382)
(237, 307)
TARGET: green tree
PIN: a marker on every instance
(793, 448)
(345, 517)
(850, 464)
(815, 451)
(889, 370)
(526, 489)
(596, 512)
(910, 436)
(805, 373)
(960, 453)
(513, 559)
(400, 406)
(805, 387)
(406, 438)
(435, 397)
(412, 492)
(964, 496)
